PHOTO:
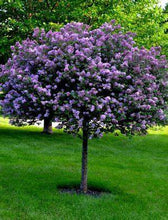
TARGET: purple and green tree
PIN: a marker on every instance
(89, 81)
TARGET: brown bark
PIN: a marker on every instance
(47, 126)
(83, 186)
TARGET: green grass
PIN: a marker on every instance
(33, 166)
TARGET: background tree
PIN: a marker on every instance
(90, 80)
(164, 23)
(18, 19)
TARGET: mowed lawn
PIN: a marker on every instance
(33, 166)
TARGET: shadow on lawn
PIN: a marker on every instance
(36, 183)
(74, 188)
(99, 189)
(32, 132)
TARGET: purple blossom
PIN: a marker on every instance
(78, 74)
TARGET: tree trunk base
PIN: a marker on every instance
(46, 132)
(47, 127)
(90, 192)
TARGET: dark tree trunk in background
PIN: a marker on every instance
(83, 186)
(47, 126)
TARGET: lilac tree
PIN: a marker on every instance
(110, 85)
(93, 81)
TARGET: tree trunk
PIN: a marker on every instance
(83, 186)
(47, 126)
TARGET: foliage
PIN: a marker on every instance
(163, 40)
(78, 76)
(19, 18)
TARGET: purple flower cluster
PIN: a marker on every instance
(78, 74)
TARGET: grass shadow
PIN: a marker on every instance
(32, 133)
(76, 186)
(97, 189)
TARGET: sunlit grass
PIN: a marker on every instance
(33, 166)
